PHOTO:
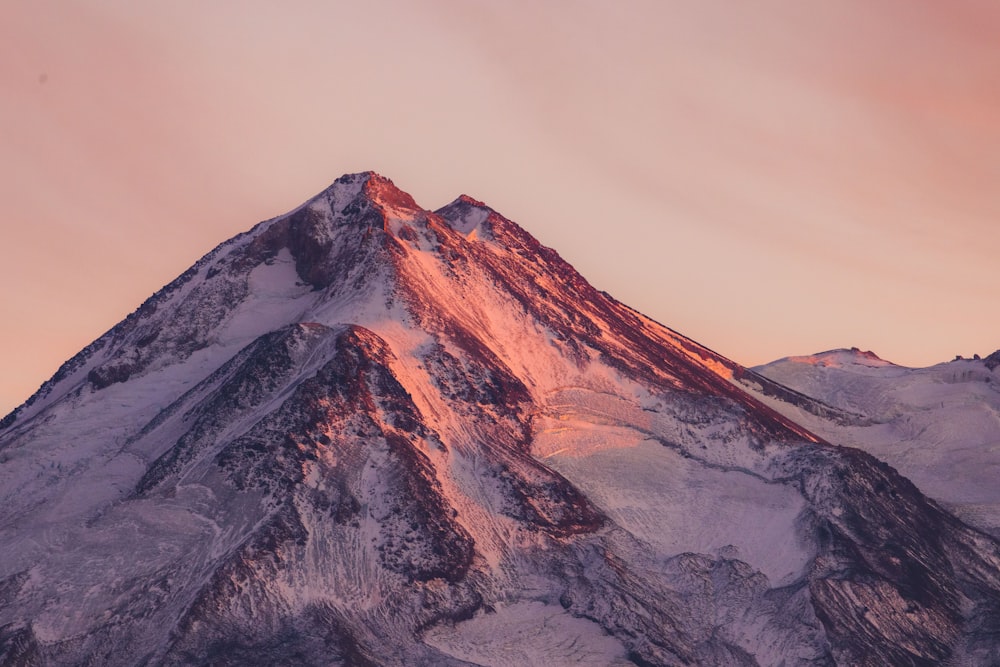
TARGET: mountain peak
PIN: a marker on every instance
(843, 357)
(382, 192)
(471, 200)
(465, 214)
(371, 185)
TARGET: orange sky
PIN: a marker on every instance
(769, 178)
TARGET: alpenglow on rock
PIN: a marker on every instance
(365, 433)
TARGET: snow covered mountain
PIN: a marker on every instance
(939, 426)
(365, 433)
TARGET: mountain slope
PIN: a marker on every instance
(367, 433)
(940, 426)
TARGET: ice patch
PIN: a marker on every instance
(528, 634)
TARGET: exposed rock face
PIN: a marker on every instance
(366, 433)
(992, 361)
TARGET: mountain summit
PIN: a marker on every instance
(366, 433)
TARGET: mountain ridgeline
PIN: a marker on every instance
(366, 433)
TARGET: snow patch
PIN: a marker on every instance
(526, 634)
(938, 426)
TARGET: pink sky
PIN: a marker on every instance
(769, 178)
